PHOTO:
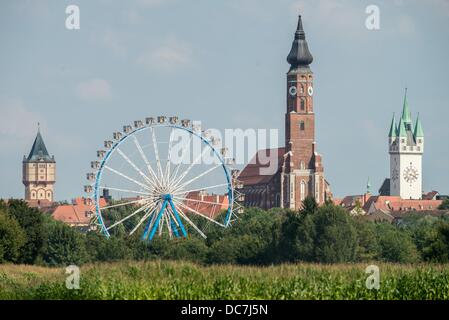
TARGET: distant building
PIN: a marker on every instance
(207, 204)
(78, 214)
(406, 147)
(299, 172)
(39, 174)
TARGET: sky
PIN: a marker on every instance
(223, 63)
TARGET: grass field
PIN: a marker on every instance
(183, 280)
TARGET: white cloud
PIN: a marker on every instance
(17, 124)
(169, 56)
(93, 90)
(111, 41)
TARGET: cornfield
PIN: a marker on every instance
(182, 280)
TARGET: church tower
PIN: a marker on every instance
(406, 147)
(39, 172)
(303, 171)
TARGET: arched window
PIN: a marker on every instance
(301, 89)
(301, 126)
(303, 190)
(303, 104)
(33, 195)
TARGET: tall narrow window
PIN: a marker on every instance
(303, 190)
(303, 104)
(301, 126)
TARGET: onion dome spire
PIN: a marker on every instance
(299, 55)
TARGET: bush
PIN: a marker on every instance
(32, 222)
(335, 236)
(65, 246)
(12, 238)
(396, 245)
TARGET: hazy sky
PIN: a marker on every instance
(224, 63)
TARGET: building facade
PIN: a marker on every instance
(299, 172)
(406, 148)
(39, 173)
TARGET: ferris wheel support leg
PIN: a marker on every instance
(159, 216)
(178, 219)
(174, 228)
(147, 227)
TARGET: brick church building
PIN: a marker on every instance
(299, 171)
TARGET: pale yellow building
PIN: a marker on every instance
(39, 173)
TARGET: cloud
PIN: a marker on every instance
(111, 41)
(93, 90)
(171, 55)
(17, 123)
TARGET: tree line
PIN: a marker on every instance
(325, 234)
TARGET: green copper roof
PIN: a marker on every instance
(393, 128)
(418, 129)
(406, 115)
(38, 150)
(401, 129)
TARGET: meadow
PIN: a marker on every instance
(184, 280)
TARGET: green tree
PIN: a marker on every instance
(335, 235)
(12, 238)
(191, 249)
(368, 248)
(297, 238)
(444, 205)
(309, 205)
(436, 246)
(396, 245)
(31, 221)
(65, 246)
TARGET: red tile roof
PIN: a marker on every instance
(208, 204)
(75, 214)
(252, 174)
(395, 203)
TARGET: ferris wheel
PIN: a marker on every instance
(162, 177)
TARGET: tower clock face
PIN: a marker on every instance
(310, 90)
(292, 91)
(410, 174)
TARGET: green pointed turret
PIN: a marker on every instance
(401, 129)
(393, 128)
(418, 129)
(406, 115)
